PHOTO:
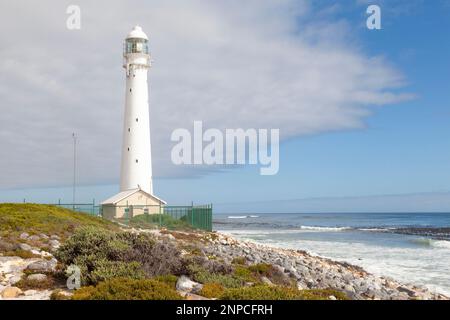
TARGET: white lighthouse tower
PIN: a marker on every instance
(136, 171)
(136, 186)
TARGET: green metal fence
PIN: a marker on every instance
(171, 217)
(198, 217)
(89, 208)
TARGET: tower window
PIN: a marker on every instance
(137, 119)
(129, 129)
(128, 149)
(130, 89)
(137, 161)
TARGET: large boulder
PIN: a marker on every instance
(41, 266)
(11, 292)
(55, 244)
(187, 285)
(25, 247)
(266, 281)
(34, 238)
(24, 236)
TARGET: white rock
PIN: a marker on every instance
(301, 286)
(37, 277)
(14, 279)
(24, 236)
(40, 266)
(30, 292)
(267, 281)
(186, 284)
(25, 247)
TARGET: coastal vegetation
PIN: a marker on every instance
(128, 289)
(38, 243)
(45, 219)
(155, 220)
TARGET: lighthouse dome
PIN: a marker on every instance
(137, 33)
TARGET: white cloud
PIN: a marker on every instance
(252, 64)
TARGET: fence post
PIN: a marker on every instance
(211, 217)
(192, 213)
(160, 216)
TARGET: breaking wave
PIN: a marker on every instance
(242, 217)
(443, 244)
(330, 229)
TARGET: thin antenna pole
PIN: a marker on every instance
(74, 169)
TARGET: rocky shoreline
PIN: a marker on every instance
(312, 272)
(309, 272)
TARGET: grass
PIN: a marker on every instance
(155, 220)
(26, 284)
(50, 220)
(21, 254)
(212, 290)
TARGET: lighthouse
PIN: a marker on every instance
(136, 168)
(136, 186)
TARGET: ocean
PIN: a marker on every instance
(409, 247)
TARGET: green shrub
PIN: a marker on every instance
(202, 275)
(245, 274)
(89, 241)
(26, 284)
(24, 254)
(156, 257)
(269, 271)
(264, 292)
(102, 254)
(211, 290)
(263, 269)
(168, 279)
(239, 260)
(127, 289)
(104, 269)
(58, 295)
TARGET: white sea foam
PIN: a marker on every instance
(428, 265)
(376, 229)
(444, 244)
(331, 229)
(242, 217)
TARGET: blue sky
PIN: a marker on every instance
(403, 148)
